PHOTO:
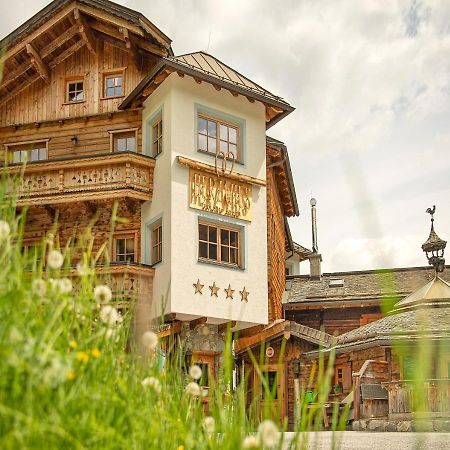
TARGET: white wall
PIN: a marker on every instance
(180, 266)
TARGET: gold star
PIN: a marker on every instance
(244, 295)
(229, 292)
(198, 287)
(214, 289)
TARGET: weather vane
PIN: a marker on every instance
(434, 246)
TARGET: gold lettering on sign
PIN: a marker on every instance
(220, 195)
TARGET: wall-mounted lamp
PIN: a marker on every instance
(74, 140)
(296, 367)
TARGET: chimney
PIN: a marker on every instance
(315, 259)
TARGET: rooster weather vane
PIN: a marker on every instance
(434, 246)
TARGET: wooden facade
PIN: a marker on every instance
(83, 191)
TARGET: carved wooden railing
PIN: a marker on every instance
(128, 282)
(429, 399)
(102, 176)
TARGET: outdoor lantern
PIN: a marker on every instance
(434, 246)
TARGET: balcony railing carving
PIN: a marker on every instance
(72, 179)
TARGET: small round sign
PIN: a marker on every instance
(270, 352)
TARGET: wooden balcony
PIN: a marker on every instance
(105, 176)
(407, 400)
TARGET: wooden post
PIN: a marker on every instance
(297, 406)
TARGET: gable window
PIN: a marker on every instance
(217, 136)
(124, 140)
(157, 129)
(30, 151)
(75, 91)
(157, 242)
(124, 249)
(219, 244)
(113, 85)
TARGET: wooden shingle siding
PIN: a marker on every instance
(275, 247)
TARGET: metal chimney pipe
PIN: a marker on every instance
(313, 203)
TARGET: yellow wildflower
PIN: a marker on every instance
(96, 353)
(180, 447)
(70, 375)
(73, 344)
(82, 356)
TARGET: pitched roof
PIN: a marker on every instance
(302, 251)
(113, 8)
(279, 328)
(434, 293)
(358, 287)
(210, 65)
(204, 67)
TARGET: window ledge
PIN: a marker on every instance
(236, 161)
(112, 97)
(74, 103)
(220, 264)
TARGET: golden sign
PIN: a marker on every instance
(220, 195)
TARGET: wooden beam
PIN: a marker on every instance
(60, 40)
(64, 55)
(18, 89)
(224, 326)
(16, 73)
(131, 48)
(85, 31)
(196, 322)
(38, 64)
(42, 29)
(172, 329)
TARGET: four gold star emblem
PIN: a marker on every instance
(214, 289)
(229, 291)
(244, 295)
(198, 287)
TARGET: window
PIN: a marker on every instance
(215, 135)
(220, 244)
(113, 85)
(157, 243)
(32, 151)
(124, 249)
(75, 91)
(157, 128)
(125, 142)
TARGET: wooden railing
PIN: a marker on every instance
(128, 282)
(429, 399)
(104, 176)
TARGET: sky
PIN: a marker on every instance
(370, 136)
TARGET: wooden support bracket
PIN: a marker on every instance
(224, 326)
(38, 64)
(196, 322)
(85, 31)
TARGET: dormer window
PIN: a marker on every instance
(75, 91)
(336, 282)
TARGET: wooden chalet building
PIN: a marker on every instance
(95, 102)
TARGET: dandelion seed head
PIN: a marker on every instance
(152, 382)
(209, 424)
(250, 442)
(83, 269)
(109, 315)
(55, 259)
(4, 230)
(195, 372)
(39, 287)
(102, 294)
(193, 389)
(65, 285)
(268, 433)
(149, 340)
